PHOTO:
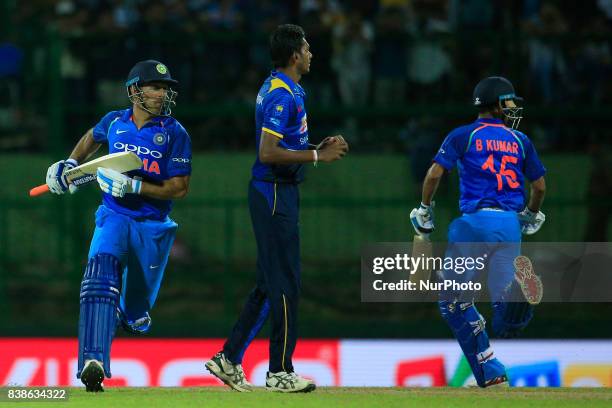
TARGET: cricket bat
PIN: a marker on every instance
(421, 247)
(86, 172)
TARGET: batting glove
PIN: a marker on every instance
(531, 221)
(56, 176)
(117, 184)
(422, 219)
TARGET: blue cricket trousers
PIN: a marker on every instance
(274, 211)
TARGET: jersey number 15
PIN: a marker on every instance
(509, 174)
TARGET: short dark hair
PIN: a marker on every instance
(284, 41)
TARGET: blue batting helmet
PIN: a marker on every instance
(492, 90)
(149, 71)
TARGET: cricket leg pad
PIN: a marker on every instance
(468, 326)
(510, 318)
(99, 299)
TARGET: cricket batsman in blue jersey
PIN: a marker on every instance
(283, 149)
(133, 234)
(493, 159)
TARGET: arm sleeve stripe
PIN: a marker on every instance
(278, 83)
(472, 136)
(109, 128)
(520, 142)
(279, 135)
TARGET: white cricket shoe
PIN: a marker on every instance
(231, 374)
(288, 382)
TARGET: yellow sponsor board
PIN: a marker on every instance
(588, 375)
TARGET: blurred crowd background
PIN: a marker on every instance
(390, 55)
(393, 76)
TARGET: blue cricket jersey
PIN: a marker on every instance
(165, 149)
(280, 111)
(493, 162)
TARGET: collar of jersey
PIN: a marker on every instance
(490, 120)
(292, 85)
(127, 117)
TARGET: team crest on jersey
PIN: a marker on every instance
(304, 126)
(159, 139)
(278, 109)
(161, 68)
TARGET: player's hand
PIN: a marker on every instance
(56, 176)
(324, 143)
(531, 221)
(334, 149)
(330, 140)
(340, 139)
(117, 184)
(422, 219)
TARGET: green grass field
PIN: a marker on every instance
(339, 397)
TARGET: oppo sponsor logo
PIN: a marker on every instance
(139, 150)
(180, 160)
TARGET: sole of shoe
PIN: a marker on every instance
(215, 370)
(309, 388)
(530, 283)
(93, 376)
